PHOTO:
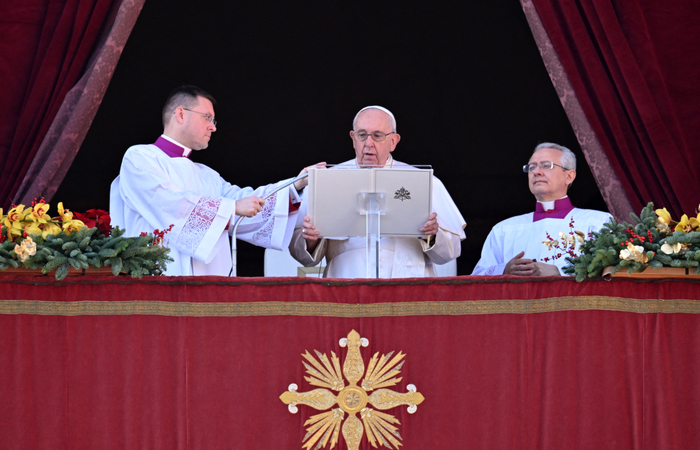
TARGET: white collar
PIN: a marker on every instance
(550, 205)
(186, 152)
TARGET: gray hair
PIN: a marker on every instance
(568, 159)
(392, 119)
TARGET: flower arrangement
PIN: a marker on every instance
(654, 240)
(30, 238)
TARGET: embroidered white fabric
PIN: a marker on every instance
(197, 224)
(263, 237)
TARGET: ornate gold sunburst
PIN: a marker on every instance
(325, 427)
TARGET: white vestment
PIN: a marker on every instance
(154, 191)
(399, 257)
(520, 233)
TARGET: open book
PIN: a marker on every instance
(335, 205)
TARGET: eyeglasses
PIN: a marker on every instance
(207, 116)
(544, 165)
(377, 136)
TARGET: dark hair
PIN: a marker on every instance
(184, 96)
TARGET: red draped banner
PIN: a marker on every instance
(200, 363)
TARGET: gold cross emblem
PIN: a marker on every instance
(325, 427)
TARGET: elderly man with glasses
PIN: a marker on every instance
(537, 243)
(374, 138)
(159, 186)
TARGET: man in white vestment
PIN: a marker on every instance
(374, 137)
(537, 243)
(158, 186)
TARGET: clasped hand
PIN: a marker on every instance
(526, 267)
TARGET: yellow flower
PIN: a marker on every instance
(664, 216)
(14, 217)
(43, 229)
(39, 213)
(634, 253)
(687, 225)
(50, 228)
(33, 228)
(13, 233)
(66, 215)
(25, 249)
(72, 226)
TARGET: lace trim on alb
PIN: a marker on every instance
(197, 225)
(263, 237)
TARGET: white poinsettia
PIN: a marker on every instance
(677, 248)
(634, 253)
(668, 248)
(25, 249)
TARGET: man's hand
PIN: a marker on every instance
(308, 231)
(529, 268)
(249, 206)
(301, 184)
(431, 226)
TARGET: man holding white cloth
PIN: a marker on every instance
(374, 137)
(158, 186)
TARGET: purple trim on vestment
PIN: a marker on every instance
(562, 207)
(169, 148)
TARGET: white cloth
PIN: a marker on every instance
(154, 191)
(520, 233)
(399, 257)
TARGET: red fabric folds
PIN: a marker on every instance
(195, 363)
(634, 66)
(57, 39)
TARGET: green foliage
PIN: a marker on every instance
(603, 248)
(86, 248)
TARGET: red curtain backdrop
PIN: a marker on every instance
(634, 66)
(608, 183)
(47, 47)
(200, 363)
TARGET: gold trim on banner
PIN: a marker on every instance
(272, 308)
(382, 372)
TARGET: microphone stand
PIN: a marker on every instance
(234, 256)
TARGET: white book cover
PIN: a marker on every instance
(335, 205)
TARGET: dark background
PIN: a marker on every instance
(467, 86)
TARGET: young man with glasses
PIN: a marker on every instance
(537, 243)
(158, 186)
(374, 138)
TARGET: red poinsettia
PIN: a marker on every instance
(96, 218)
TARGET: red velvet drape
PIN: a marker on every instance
(635, 66)
(45, 47)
